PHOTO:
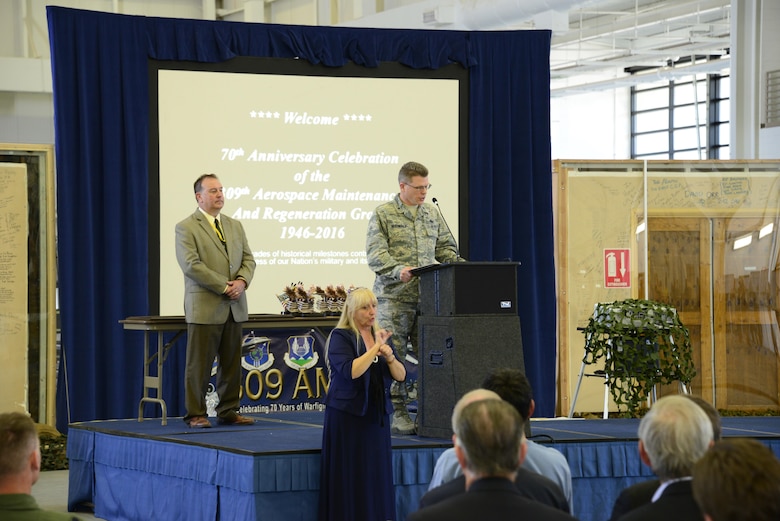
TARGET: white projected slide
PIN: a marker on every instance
(304, 160)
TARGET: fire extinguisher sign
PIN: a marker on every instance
(617, 268)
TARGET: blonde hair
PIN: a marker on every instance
(356, 299)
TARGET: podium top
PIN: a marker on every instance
(468, 288)
(444, 265)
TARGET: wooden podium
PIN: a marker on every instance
(468, 327)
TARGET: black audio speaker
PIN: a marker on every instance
(451, 289)
(456, 354)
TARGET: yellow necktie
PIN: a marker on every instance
(219, 231)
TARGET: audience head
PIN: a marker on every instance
(489, 439)
(738, 479)
(20, 456)
(673, 435)
(513, 387)
(471, 397)
(711, 412)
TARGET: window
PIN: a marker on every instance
(682, 118)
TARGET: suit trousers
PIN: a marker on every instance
(204, 343)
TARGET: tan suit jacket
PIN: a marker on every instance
(207, 266)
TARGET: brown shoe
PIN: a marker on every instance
(199, 422)
(235, 419)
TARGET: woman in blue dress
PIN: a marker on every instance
(356, 475)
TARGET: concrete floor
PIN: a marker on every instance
(51, 493)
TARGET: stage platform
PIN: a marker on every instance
(140, 471)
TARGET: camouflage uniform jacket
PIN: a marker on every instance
(397, 239)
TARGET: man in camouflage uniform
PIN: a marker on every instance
(404, 234)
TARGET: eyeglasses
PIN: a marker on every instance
(423, 188)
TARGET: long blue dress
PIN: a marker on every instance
(356, 474)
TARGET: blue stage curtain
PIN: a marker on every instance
(101, 98)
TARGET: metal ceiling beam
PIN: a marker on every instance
(662, 74)
(609, 36)
(605, 25)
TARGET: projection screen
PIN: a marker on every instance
(305, 153)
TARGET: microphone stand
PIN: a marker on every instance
(457, 248)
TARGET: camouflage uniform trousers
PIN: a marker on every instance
(400, 318)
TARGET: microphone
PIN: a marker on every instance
(457, 248)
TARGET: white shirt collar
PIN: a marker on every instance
(210, 217)
(660, 491)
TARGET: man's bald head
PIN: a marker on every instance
(471, 397)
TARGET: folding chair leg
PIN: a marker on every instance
(577, 390)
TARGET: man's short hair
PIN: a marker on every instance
(18, 439)
(512, 386)
(712, 414)
(738, 479)
(198, 184)
(490, 433)
(410, 170)
(675, 433)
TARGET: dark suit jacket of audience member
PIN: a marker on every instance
(675, 504)
(529, 484)
(633, 497)
(489, 499)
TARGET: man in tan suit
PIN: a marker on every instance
(218, 265)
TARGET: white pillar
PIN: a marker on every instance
(745, 84)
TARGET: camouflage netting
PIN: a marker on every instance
(53, 448)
